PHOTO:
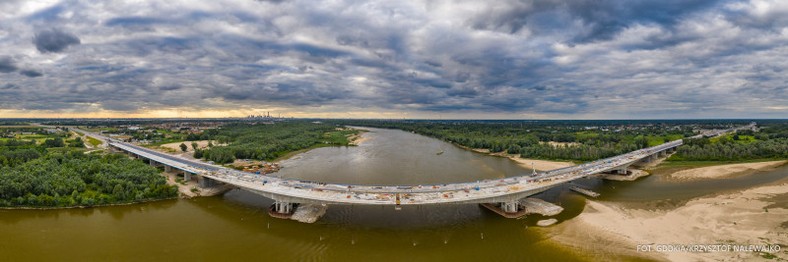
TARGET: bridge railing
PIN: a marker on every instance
(579, 170)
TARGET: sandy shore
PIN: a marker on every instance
(539, 165)
(635, 174)
(359, 138)
(189, 189)
(725, 171)
(744, 218)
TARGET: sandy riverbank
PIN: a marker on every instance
(751, 216)
(725, 171)
(359, 138)
(540, 165)
(188, 189)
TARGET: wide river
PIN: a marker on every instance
(235, 226)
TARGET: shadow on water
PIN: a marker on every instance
(362, 216)
(372, 232)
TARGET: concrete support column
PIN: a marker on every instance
(510, 207)
(167, 168)
(283, 207)
(622, 171)
(152, 163)
(187, 176)
(204, 182)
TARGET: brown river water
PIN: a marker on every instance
(235, 226)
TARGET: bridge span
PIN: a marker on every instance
(288, 194)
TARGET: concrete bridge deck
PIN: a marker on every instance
(485, 191)
(504, 192)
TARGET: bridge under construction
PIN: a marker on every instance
(289, 195)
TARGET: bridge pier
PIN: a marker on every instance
(622, 171)
(205, 182)
(187, 176)
(167, 168)
(281, 209)
(510, 207)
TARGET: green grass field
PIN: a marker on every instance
(93, 141)
(64, 149)
(744, 139)
(585, 135)
(38, 138)
(337, 137)
(658, 140)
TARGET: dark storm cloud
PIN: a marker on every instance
(30, 73)
(606, 18)
(541, 57)
(8, 86)
(7, 65)
(133, 21)
(603, 18)
(54, 40)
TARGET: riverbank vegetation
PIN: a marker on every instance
(591, 140)
(268, 142)
(551, 140)
(57, 173)
(770, 142)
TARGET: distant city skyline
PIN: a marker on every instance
(539, 59)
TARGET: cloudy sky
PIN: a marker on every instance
(395, 59)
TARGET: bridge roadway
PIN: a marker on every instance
(505, 192)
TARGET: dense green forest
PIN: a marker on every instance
(267, 142)
(32, 145)
(771, 142)
(56, 172)
(590, 140)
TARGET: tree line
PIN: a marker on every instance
(268, 142)
(577, 141)
(771, 142)
(590, 140)
(57, 173)
(72, 178)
